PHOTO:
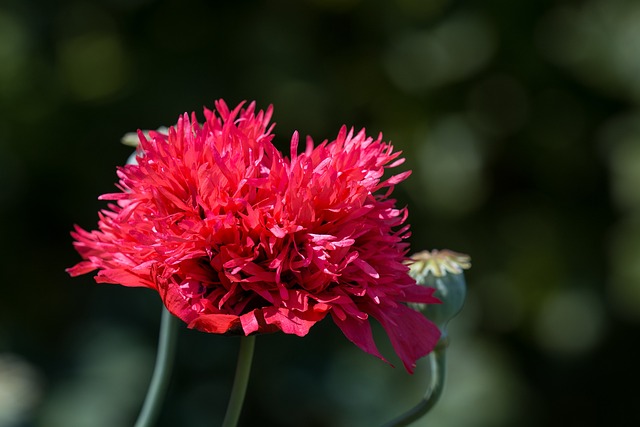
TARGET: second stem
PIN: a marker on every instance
(239, 389)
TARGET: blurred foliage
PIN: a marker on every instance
(519, 118)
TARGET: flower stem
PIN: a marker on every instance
(162, 370)
(437, 365)
(239, 388)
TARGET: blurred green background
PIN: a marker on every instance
(519, 118)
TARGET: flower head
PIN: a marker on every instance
(238, 239)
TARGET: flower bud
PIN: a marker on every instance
(133, 140)
(444, 271)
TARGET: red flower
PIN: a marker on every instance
(236, 238)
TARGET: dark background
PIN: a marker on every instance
(519, 119)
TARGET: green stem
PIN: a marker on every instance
(437, 365)
(162, 370)
(239, 388)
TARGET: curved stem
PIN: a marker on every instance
(240, 382)
(437, 365)
(162, 370)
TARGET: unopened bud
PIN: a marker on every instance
(444, 271)
(133, 140)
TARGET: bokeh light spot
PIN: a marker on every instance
(451, 174)
(14, 48)
(458, 48)
(570, 322)
(624, 159)
(620, 138)
(598, 41)
(624, 283)
(20, 390)
(113, 368)
(93, 66)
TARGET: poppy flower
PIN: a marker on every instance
(237, 238)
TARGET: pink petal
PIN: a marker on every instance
(83, 267)
(412, 335)
(366, 267)
(419, 293)
(291, 321)
(216, 323)
(358, 331)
